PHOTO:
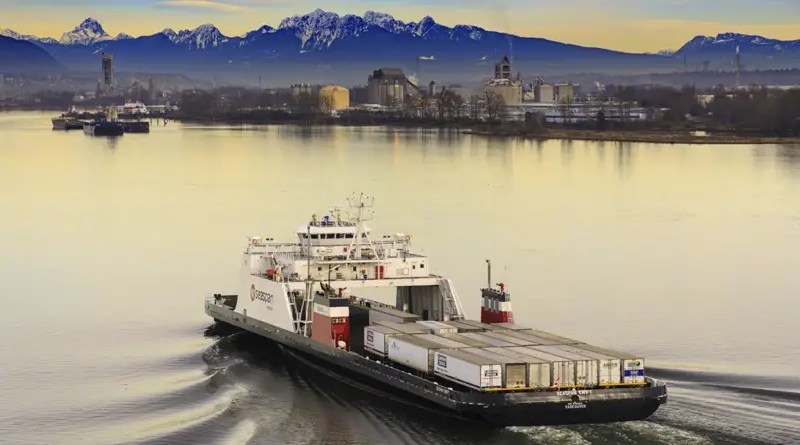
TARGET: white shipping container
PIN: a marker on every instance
(437, 327)
(510, 326)
(463, 327)
(515, 371)
(441, 341)
(468, 369)
(412, 351)
(406, 328)
(492, 341)
(380, 313)
(533, 339)
(610, 367)
(376, 338)
(484, 326)
(469, 341)
(632, 365)
(557, 338)
(540, 371)
(563, 369)
(506, 337)
(587, 370)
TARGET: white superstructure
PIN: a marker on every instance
(337, 250)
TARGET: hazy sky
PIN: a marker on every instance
(629, 25)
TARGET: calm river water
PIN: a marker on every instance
(686, 254)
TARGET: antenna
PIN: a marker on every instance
(364, 212)
(489, 274)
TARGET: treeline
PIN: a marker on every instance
(755, 110)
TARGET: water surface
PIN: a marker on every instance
(686, 254)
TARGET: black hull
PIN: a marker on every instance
(496, 409)
(135, 126)
(103, 129)
(515, 415)
(66, 124)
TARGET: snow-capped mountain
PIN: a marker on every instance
(319, 29)
(327, 43)
(88, 32)
(17, 36)
(730, 40)
(202, 37)
(755, 51)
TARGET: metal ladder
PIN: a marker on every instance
(452, 305)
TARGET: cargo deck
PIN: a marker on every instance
(314, 298)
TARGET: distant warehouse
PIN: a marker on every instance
(334, 97)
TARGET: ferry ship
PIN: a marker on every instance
(370, 308)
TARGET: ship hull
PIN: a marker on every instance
(66, 124)
(103, 129)
(136, 126)
(495, 409)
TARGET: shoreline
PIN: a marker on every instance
(642, 137)
(520, 131)
(501, 130)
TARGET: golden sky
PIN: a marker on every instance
(627, 25)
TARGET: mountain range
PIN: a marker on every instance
(323, 46)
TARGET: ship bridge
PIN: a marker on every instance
(340, 251)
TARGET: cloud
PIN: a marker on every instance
(207, 4)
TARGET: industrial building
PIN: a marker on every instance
(107, 81)
(390, 87)
(335, 97)
(300, 88)
(554, 94)
(505, 83)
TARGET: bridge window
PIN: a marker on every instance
(314, 236)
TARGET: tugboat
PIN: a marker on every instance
(67, 121)
(104, 127)
(323, 299)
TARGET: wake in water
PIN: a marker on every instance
(245, 389)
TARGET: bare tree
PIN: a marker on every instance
(494, 104)
(565, 108)
(450, 104)
(475, 107)
(326, 104)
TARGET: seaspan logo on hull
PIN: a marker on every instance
(256, 294)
